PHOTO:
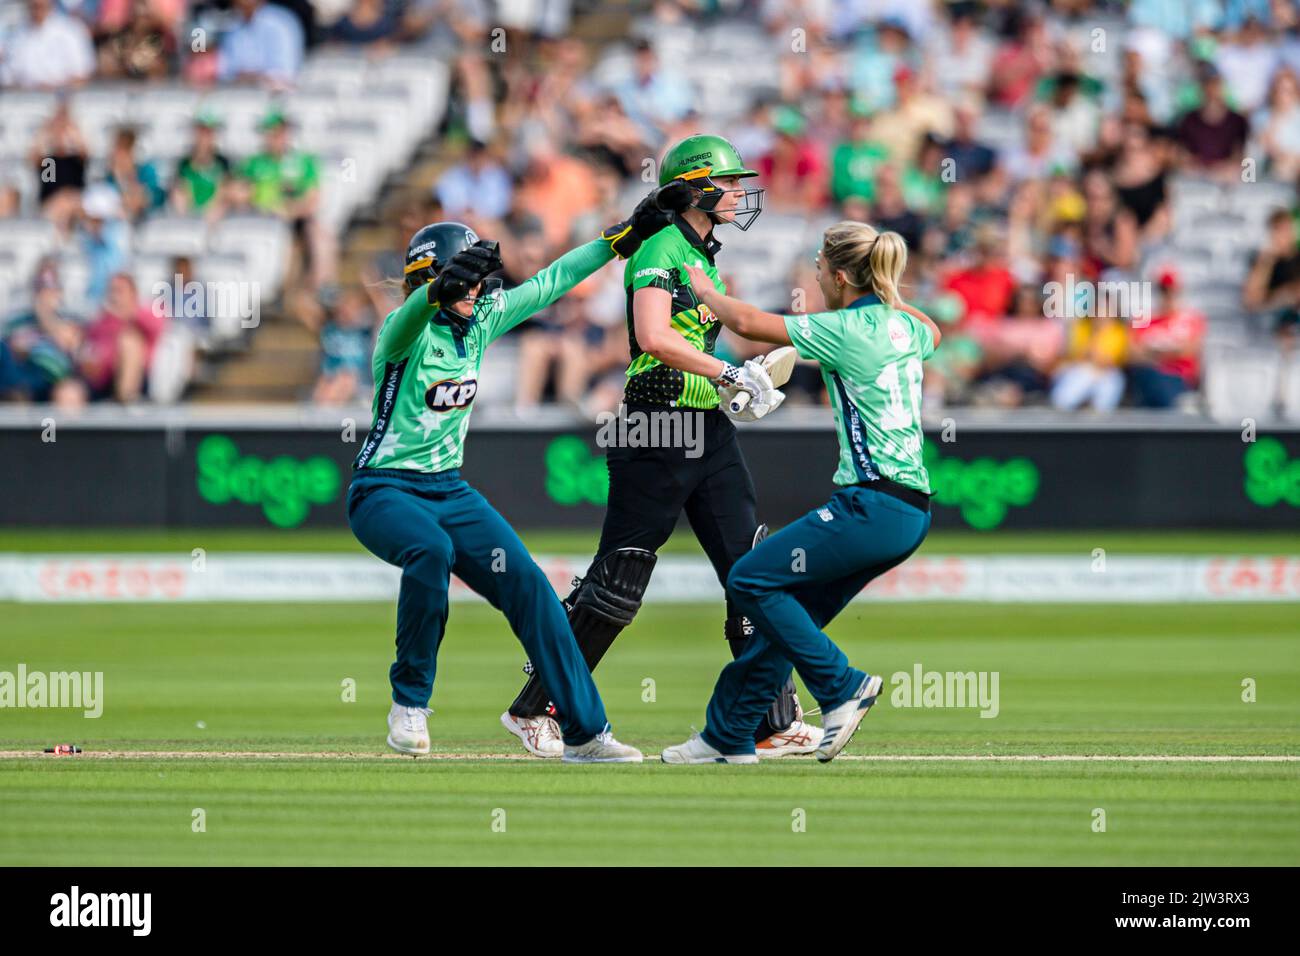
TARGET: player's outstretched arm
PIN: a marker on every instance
(741, 317)
(465, 272)
(922, 317)
(653, 213)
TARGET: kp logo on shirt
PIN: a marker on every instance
(449, 394)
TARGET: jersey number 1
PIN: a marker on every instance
(896, 413)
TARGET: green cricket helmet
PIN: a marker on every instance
(703, 159)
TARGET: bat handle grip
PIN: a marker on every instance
(740, 402)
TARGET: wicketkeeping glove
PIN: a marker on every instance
(650, 215)
(465, 270)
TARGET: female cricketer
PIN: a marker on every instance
(674, 375)
(407, 502)
(870, 346)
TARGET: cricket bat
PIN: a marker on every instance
(779, 364)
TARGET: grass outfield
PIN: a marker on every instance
(1074, 679)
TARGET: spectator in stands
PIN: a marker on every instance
(950, 238)
(285, 182)
(1110, 231)
(120, 343)
(1277, 126)
(915, 113)
(478, 185)
(1022, 350)
(1165, 352)
(202, 183)
(1273, 283)
(1041, 152)
(951, 371)
(346, 339)
(136, 181)
(962, 55)
(58, 157)
(987, 285)
(372, 24)
(136, 39)
(653, 96)
(971, 159)
(856, 160)
(1248, 60)
(793, 173)
(1139, 173)
(1213, 136)
(1075, 114)
(551, 343)
(265, 46)
(610, 137)
(103, 239)
(51, 51)
(1024, 56)
(556, 189)
(889, 212)
(37, 348)
(925, 182)
(1092, 372)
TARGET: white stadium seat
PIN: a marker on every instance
(172, 235)
(1241, 383)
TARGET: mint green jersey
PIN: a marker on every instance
(871, 356)
(426, 373)
(658, 263)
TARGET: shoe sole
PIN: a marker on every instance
(514, 732)
(637, 759)
(408, 750)
(778, 752)
(850, 727)
(735, 759)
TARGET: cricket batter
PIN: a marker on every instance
(870, 347)
(672, 334)
(407, 502)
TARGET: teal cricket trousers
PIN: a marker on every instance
(791, 586)
(434, 525)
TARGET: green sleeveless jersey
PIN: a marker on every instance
(426, 372)
(658, 263)
(870, 355)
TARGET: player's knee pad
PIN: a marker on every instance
(614, 586)
(607, 599)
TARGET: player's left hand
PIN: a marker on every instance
(650, 215)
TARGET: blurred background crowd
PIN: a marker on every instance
(200, 201)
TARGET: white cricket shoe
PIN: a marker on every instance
(696, 750)
(840, 723)
(540, 735)
(408, 729)
(797, 739)
(602, 748)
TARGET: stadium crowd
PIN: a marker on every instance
(1020, 149)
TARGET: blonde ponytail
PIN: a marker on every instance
(873, 261)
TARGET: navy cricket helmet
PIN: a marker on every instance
(431, 248)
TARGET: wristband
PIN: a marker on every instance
(730, 375)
